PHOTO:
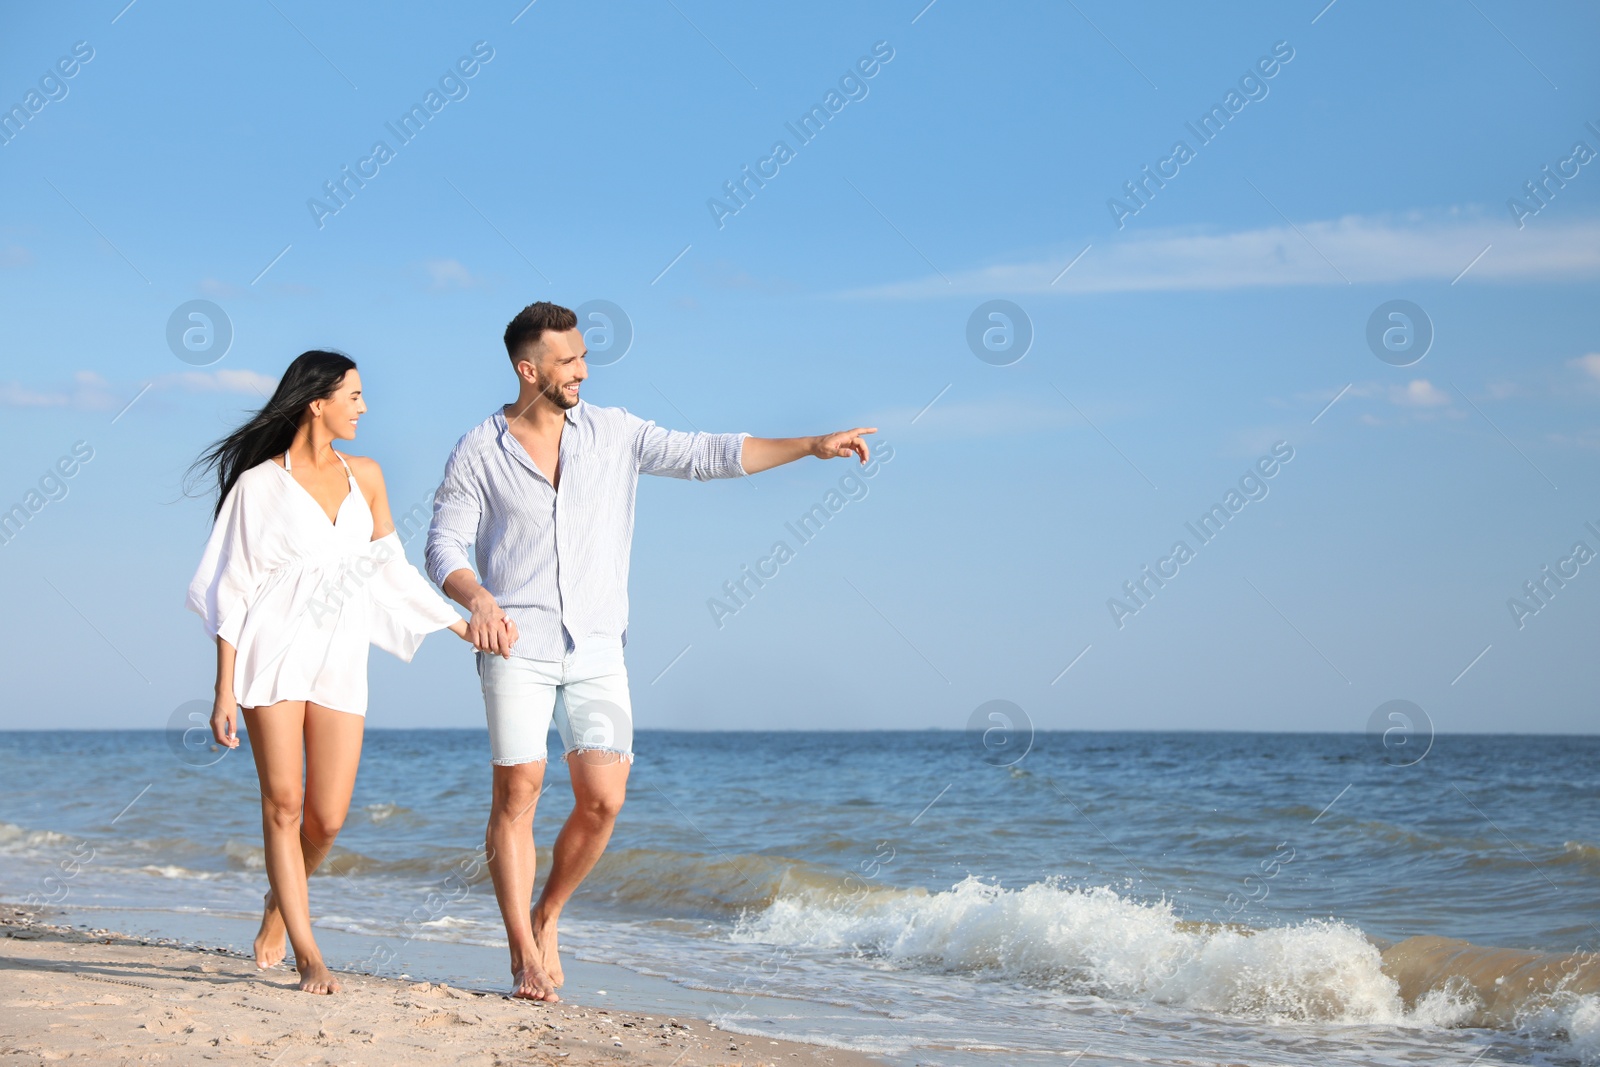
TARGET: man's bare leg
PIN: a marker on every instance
(512, 866)
(599, 785)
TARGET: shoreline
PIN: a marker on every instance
(75, 992)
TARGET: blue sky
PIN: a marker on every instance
(978, 161)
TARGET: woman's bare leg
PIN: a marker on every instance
(333, 753)
(272, 938)
(277, 738)
(296, 844)
(319, 827)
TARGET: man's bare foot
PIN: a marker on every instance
(316, 978)
(533, 984)
(546, 937)
(269, 948)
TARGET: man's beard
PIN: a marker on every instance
(556, 395)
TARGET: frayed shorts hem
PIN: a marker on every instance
(518, 761)
(581, 750)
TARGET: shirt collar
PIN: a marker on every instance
(503, 425)
(514, 448)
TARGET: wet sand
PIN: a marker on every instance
(78, 995)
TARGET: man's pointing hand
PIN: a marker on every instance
(844, 443)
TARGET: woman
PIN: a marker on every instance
(303, 570)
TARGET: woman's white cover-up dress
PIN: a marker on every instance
(301, 598)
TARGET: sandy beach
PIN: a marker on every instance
(82, 995)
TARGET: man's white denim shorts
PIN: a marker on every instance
(585, 694)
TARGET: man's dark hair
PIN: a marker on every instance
(531, 323)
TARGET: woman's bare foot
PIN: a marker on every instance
(546, 937)
(532, 982)
(270, 939)
(316, 978)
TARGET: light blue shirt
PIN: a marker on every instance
(557, 562)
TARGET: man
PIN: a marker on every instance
(544, 489)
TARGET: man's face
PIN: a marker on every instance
(557, 363)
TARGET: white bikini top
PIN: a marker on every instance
(342, 463)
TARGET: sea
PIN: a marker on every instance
(1070, 898)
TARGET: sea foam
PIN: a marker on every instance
(1092, 940)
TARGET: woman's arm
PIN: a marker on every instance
(224, 709)
(369, 477)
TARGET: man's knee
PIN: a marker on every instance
(602, 806)
(516, 790)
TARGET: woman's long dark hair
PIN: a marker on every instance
(312, 376)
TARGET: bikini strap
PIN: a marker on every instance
(347, 471)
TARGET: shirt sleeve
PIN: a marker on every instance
(457, 509)
(229, 574)
(682, 454)
(405, 607)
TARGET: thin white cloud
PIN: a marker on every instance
(90, 391)
(1589, 364)
(1588, 439)
(1419, 399)
(221, 381)
(1419, 393)
(450, 274)
(15, 256)
(1353, 249)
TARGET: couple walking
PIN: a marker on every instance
(304, 570)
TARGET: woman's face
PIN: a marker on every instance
(339, 412)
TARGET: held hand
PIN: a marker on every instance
(844, 443)
(459, 628)
(224, 721)
(489, 630)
